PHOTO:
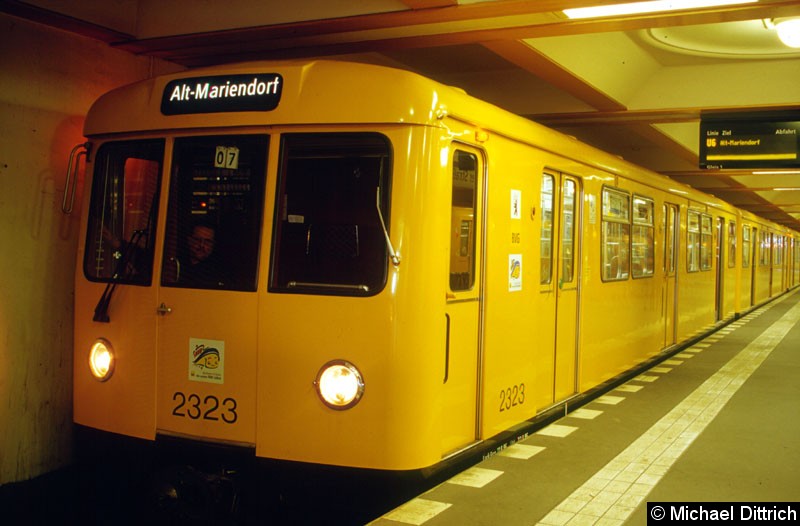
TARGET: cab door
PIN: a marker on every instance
(207, 305)
(568, 288)
(463, 302)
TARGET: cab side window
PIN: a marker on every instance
(328, 236)
(122, 212)
(462, 226)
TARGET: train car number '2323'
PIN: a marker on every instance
(210, 407)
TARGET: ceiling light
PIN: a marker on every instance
(647, 7)
(788, 30)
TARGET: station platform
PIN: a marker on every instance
(717, 422)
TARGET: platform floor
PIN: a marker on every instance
(718, 422)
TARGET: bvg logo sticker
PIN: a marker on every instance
(207, 360)
(514, 272)
(206, 357)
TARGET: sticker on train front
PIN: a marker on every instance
(207, 360)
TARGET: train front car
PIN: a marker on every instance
(307, 264)
(265, 267)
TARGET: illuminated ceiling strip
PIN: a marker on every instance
(647, 7)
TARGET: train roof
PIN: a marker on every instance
(309, 92)
(304, 92)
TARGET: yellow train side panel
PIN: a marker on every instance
(396, 339)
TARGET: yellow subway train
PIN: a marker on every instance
(350, 265)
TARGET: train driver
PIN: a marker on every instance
(201, 268)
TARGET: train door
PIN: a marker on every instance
(670, 289)
(568, 288)
(753, 266)
(781, 263)
(207, 346)
(787, 267)
(463, 298)
(720, 278)
(796, 262)
(768, 259)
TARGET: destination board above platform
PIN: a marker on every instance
(749, 144)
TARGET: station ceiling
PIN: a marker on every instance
(632, 85)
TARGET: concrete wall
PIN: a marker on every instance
(48, 80)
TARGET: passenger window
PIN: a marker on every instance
(616, 235)
(546, 237)
(670, 237)
(328, 237)
(568, 231)
(764, 249)
(215, 212)
(732, 244)
(462, 230)
(693, 242)
(777, 249)
(122, 212)
(643, 242)
(706, 242)
(746, 246)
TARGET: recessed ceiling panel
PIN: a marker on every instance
(750, 39)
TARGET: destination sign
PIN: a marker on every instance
(228, 93)
(749, 144)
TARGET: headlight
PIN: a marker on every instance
(339, 384)
(101, 360)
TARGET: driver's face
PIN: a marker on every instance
(201, 243)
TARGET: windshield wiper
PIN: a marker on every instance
(101, 310)
(392, 254)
